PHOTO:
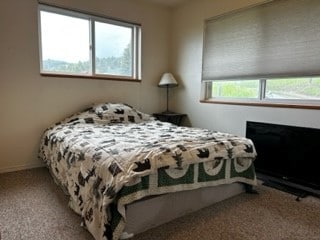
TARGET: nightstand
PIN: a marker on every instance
(171, 117)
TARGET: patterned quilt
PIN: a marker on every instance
(110, 155)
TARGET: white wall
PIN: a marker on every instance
(29, 103)
(186, 49)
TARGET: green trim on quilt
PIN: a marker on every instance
(204, 177)
(126, 190)
(142, 185)
(115, 216)
(165, 180)
(248, 173)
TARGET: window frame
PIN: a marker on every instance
(261, 100)
(92, 18)
(222, 33)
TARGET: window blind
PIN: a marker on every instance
(280, 38)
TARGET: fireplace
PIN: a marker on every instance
(288, 156)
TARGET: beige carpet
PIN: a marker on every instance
(33, 207)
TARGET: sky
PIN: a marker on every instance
(62, 36)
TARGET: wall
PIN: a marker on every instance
(29, 103)
(186, 49)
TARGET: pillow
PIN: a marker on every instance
(106, 113)
(119, 113)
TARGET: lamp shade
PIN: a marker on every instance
(168, 80)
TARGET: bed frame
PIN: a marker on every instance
(149, 213)
(107, 194)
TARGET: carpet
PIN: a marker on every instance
(33, 207)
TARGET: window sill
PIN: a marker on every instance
(263, 104)
(90, 77)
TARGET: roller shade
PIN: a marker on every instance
(280, 38)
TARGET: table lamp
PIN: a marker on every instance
(167, 81)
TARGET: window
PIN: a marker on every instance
(79, 44)
(304, 89)
(265, 53)
(293, 88)
(235, 89)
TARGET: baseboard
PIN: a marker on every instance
(21, 167)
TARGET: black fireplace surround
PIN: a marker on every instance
(288, 155)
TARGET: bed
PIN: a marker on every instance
(112, 159)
